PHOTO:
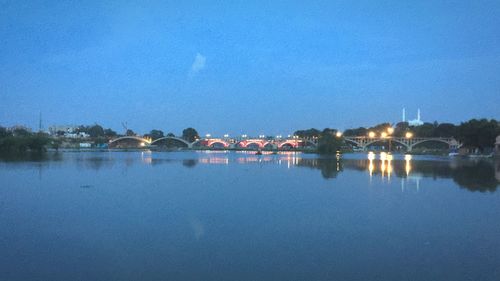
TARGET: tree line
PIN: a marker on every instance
(97, 132)
(20, 140)
(475, 133)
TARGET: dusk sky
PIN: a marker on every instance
(247, 66)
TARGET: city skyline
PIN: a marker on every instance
(247, 67)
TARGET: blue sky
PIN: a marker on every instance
(247, 66)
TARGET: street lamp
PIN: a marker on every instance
(371, 134)
(338, 134)
(207, 135)
(409, 135)
(226, 135)
(383, 135)
(390, 130)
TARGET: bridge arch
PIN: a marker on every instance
(449, 142)
(139, 139)
(172, 138)
(354, 142)
(408, 147)
(223, 143)
(292, 144)
(253, 143)
(306, 141)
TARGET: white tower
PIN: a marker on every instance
(418, 114)
(404, 114)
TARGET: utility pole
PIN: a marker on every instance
(40, 122)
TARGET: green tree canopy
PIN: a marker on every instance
(478, 133)
(190, 134)
(3, 132)
(95, 131)
(155, 134)
(110, 133)
(328, 142)
(310, 133)
(361, 131)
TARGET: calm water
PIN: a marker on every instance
(237, 216)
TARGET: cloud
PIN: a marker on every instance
(198, 63)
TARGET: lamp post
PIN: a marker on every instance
(390, 130)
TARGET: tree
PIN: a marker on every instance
(95, 131)
(21, 132)
(190, 134)
(445, 130)
(424, 131)
(401, 129)
(170, 135)
(479, 134)
(310, 133)
(361, 131)
(110, 133)
(328, 142)
(129, 133)
(155, 134)
(3, 132)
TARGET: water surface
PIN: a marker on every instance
(238, 216)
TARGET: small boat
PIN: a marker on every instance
(259, 152)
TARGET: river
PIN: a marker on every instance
(239, 216)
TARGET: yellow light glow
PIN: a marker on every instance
(338, 134)
(389, 157)
(384, 134)
(371, 134)
(390, 130)
(409, 135)
(371, 156)
(143, 144)
(383, 156)
(407, 157)
(371, 167)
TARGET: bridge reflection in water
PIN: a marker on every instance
(480, 176)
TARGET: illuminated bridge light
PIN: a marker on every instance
(383, 156)
(371, 156)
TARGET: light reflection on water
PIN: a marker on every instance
(482, 175)
(240, 216)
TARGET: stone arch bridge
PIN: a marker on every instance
(409, 143)
(247, 143)
(293, 143)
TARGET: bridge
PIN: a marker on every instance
(362, 142)
(230, 143)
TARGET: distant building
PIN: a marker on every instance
(415, 122)
(68, 131)
(85, 145)
(53, 130)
